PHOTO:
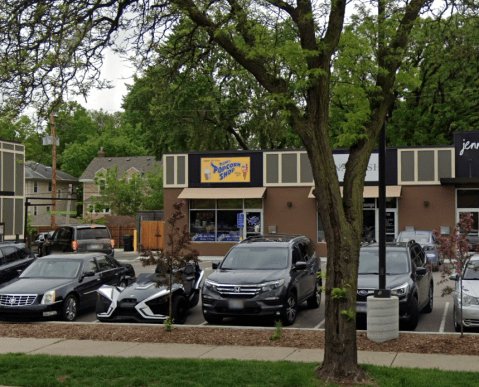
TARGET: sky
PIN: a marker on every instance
(119, 72)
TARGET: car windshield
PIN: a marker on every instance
(472, 271)
(396, 262)
(417, 236)
(93, 233)
(256, 258)
(52, 268)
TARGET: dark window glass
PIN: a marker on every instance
(10, 254)
(396, 262)
(467, 198)
(253, 203)
(22, 253)
(297, 255)
(230, 204)
(55, 268)
(202, 204)
(227, 223)
(202, 226)
(93, 233)
(90, 266)
(104, 264)
(256, 258)
(391, 203)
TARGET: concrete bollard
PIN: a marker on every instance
(383, 319)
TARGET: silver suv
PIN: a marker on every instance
(426, 239)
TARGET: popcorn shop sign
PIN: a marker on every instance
(225, 170)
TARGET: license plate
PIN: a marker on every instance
(361, 307)
(236, 304)
(94, 247)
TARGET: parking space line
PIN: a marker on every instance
(443, 322)
(319, 325)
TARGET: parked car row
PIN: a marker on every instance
(264, 275)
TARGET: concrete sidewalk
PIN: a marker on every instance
(154, 350)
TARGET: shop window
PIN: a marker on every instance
(217, 220)
(467, 198)
(253, 203)
(227, 226)
(202, 204)
(369, 203)
(230, 204)
(391, 202)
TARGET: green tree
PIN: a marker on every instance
(127, 195)
(201, 99)
(288, 47)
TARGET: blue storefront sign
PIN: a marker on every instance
(240, 220)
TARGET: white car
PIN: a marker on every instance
(470, 296)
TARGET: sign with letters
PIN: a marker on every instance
(226, 170)
(372, 171)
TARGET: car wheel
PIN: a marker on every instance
(180, 307)
(70, 306)
(290, 311)
(414, 312)
(213, 320)
(457, 326)
(315, 300)
(430, 304)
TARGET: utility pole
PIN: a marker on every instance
(54, 169)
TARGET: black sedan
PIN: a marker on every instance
(60, 285)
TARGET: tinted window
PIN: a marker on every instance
(297, 255)
(418, 237)
(104, 264)
(10, 254)
(396, 262)
(46, 268)
(22, 253)
(92, 233)
(90, 266)
(256, 258)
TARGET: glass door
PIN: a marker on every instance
(253, 223)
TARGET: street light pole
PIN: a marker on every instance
(54, 169)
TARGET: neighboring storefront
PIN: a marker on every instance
(232, 195)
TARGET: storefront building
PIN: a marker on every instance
(232, 195)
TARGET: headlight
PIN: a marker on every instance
(210, 285)
(266, 287)
(400, 290)
(49, 297)
(468, 300)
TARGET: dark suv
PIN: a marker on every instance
(408, 275)
(83, 238)
(14, 258)
(264, 275)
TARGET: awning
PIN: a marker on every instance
(223, 193)
(372, 191)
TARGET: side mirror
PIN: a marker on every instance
(215, 265)
(421, 271)
(301, 265)
(454, 277)
(88, 273)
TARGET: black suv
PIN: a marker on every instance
(264, 275)
(408, 275)
(14, 258)
(85, 238)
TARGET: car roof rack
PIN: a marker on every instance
(272, 237)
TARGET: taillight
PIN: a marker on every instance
(112, 243)
(74, 245)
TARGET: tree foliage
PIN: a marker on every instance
(129, 194)
(288, 48)
(197, 98)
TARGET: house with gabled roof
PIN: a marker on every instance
(38, 179)
(99, 165)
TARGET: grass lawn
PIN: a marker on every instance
(44, 370)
